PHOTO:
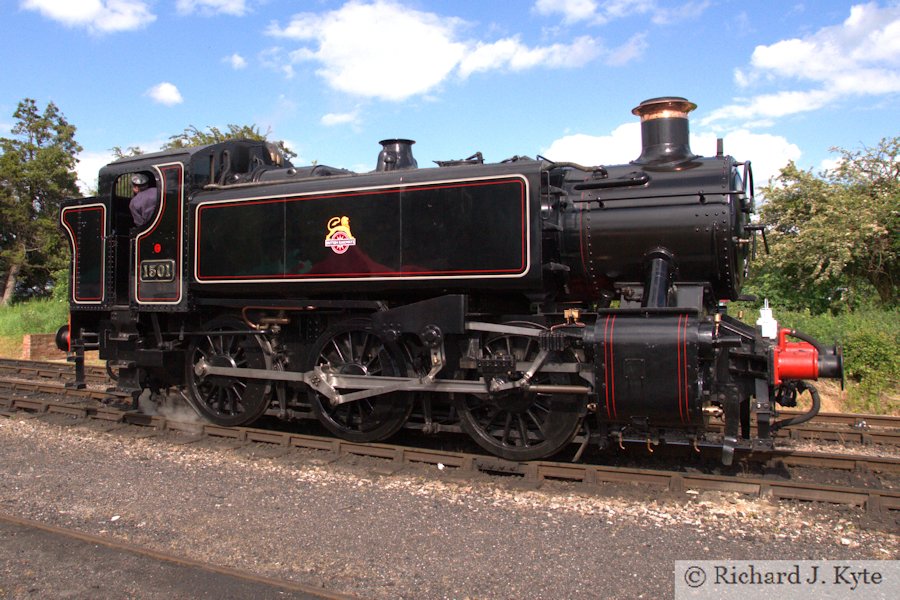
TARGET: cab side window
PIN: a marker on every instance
(135, 199)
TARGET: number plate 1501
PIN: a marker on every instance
(158, 270)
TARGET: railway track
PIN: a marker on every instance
(52, 397)
(832, 427)
(102, 550)
(50, 371)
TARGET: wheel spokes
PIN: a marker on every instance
(227, 400)
(515, 424)
(537, 422)
(507, 428)
(523, 431)
(356, 350)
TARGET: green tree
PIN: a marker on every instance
(119, 152)
(192, 136)
(834, 237)
(37, 172)
(871, 179)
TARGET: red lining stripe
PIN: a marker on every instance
(521, 269)
(687, 396)
(163, 191)
(76, 259)
(606, 363)
(609, 359)
(680, 358)
(684, 384)
(612, 359)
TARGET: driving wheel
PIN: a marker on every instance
(354, 348)
(227, 400)
(516, 424)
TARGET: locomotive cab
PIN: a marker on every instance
(120, 270)
(124, 229)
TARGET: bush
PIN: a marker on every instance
(871, 357)
(871, 343)
(34, 316)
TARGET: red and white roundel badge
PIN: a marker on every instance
(339, 237)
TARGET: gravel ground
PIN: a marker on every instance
(363, 530)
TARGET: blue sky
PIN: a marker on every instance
(779, 80)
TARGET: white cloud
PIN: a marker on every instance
(859, 57)
(381, 49)
(354, 49)
(572, 11)
(629, 51)
(601, 13)
(620, 9)
(236, 8)
(769, 152)
(767, 106)
(340, 118)
(236, 61)
(621, 146)
(668, 15)
(165, 93)
(97, 16)
(277, 59)
(91, 161)
(512, 54)
(830, 164)
(88, 168)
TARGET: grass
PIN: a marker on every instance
(35, 316)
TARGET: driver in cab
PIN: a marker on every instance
(143, 204)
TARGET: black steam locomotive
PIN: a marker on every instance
(526, 301)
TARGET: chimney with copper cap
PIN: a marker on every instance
(664, 132)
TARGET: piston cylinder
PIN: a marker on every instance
(648, 369)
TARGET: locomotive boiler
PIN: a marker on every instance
(525, 302)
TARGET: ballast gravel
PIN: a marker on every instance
(358, 528)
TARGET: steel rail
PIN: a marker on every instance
(814, 431)
(123, 546)
(850, 419)
(51, 370)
